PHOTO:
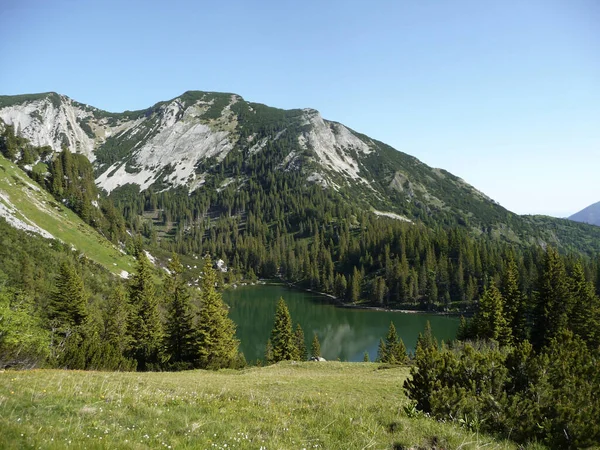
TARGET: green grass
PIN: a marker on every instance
(287, 406)
(36, 205)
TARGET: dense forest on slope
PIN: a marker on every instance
(277, 225)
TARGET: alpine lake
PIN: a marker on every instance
(345, 334)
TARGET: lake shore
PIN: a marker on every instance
(337, 302)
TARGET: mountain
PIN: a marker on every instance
(590, 215)
(218, 141)
(173, 143)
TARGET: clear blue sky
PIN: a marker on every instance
(505, 94)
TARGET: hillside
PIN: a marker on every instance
(277, 193)
(289, 405)
(590, 215)
(218, 141)
(25, 205)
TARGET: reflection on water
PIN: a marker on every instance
(344, 333)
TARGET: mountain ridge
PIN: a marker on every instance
(195, 126)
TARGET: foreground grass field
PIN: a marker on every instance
(287, 406)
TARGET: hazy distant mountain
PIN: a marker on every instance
(590, 215)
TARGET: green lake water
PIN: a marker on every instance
(344, 333)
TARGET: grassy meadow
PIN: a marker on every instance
(329, 405)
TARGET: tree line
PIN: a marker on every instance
(140, 326)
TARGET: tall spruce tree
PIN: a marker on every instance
(584, 321)
(395, 350)
(515, 307)
(553, 301)
(145, 326)
(217, 344)
(282, 336)
(116, 319)
(489, 321)
(180, 331)
(68, 304)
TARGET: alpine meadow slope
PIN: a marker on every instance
(27, 206)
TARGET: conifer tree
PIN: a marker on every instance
(427, 340)
(489, 321)
(584, 321)
(180, 332)
(315, 348)
(465, 330)
(424, 373)
(392, 350)
(341, 286)
(116, 319)
(282, 336)
(515, 311)
(354, 286)
(366, 357)
(217, 344)
(553, 301)
(300, 343)
(145, 326)
(68, 305)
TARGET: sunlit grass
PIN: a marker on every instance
(41, 208)
(290, 405)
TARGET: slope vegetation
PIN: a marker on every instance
(25, 205)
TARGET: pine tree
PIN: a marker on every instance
(432, 290)
(68, 305)
(465, 330)
(315, 348)
(354, 286)
(217, 345)
(392, 350)
(424, 374)
(341, 286)
(180, 332)
(116, 318)
(489, 321)
(427, 340)
(553, 301)
(282, 336)
(300, 343)
(366, 357)
(145, 325)
(515, 311)
(584, 321)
